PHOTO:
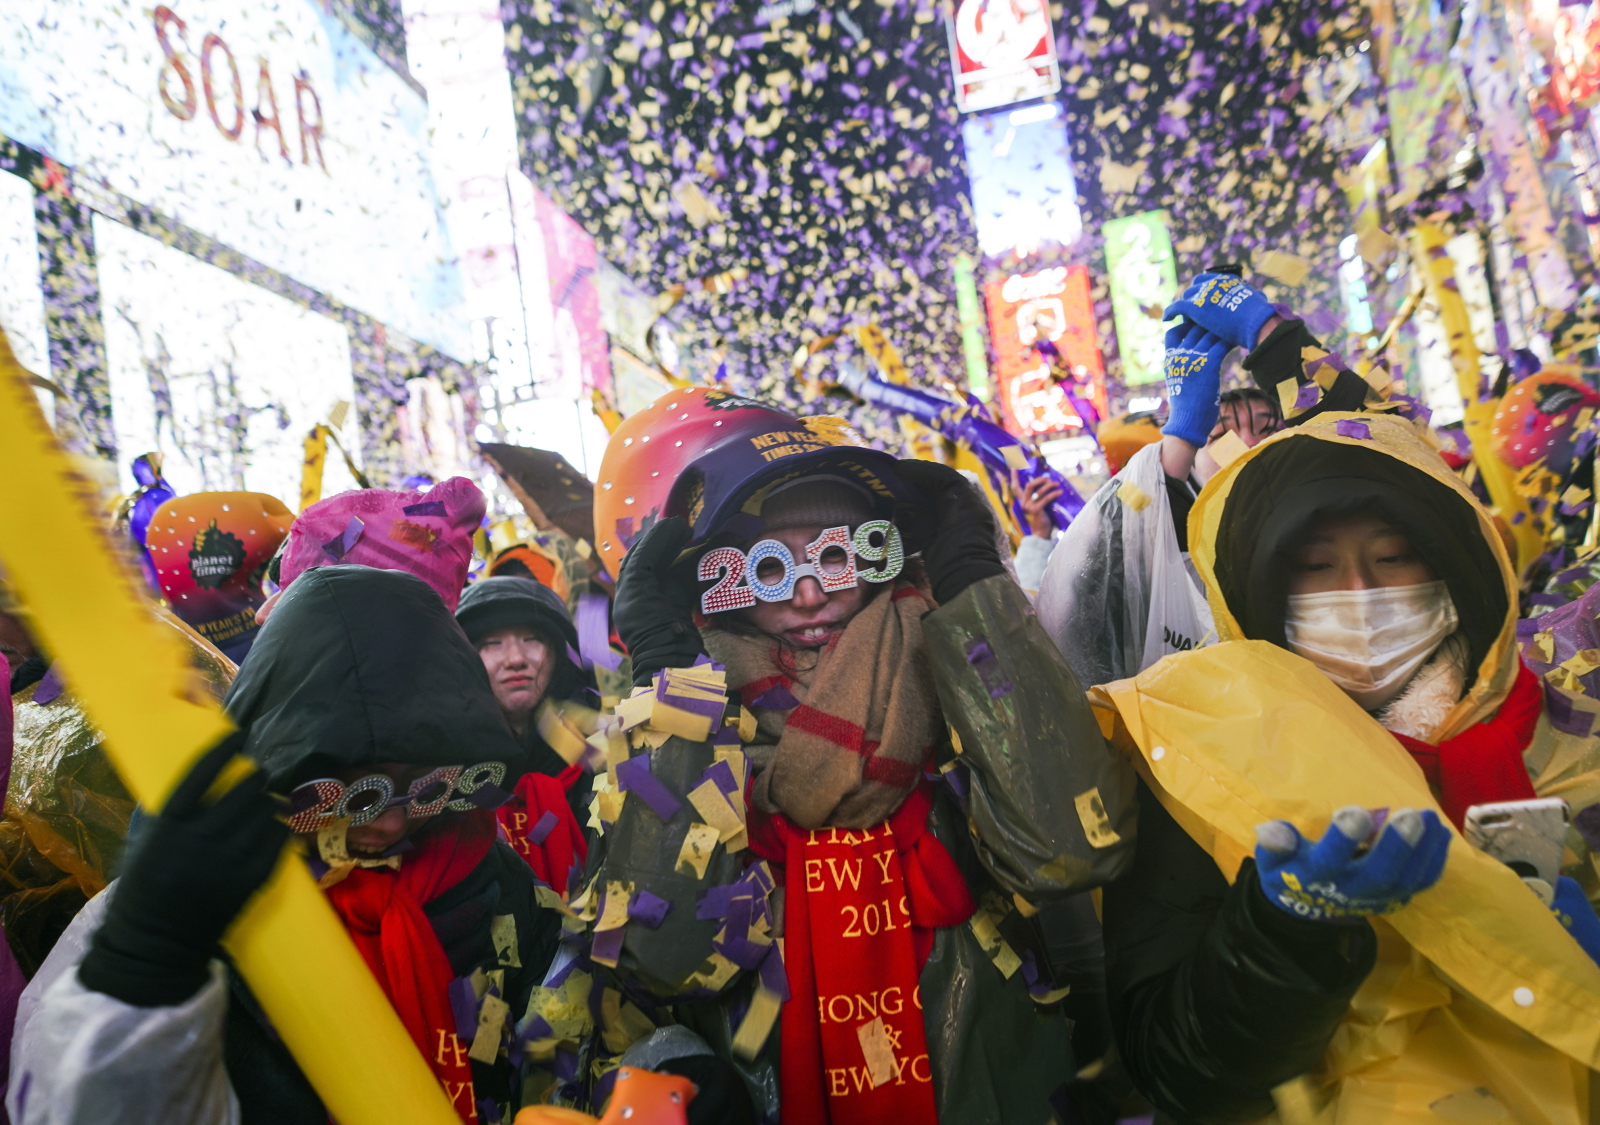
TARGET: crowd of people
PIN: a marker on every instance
(1251, 796)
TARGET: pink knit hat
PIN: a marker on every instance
(427, 534)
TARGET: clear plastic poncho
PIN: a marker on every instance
(1118, 594)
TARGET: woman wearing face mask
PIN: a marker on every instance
(1365, 669)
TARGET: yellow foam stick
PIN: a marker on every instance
(130, 675)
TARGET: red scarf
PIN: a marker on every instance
(860, 908)
(382, 910)
(536, 794)
(1484, 763)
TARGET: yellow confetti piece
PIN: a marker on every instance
(1133, 496)
(1016, 457)
(548, 898)
(1096, 824)
(1325, 375)
(713, 973)
(696, 850)
(1544, 646)
(492, 1014)
(562, 736)
(565, 1009)
(1227, 449)
(757, 1024)
(1582, 663)
(877, 1050)
(615, 914)
(622, 1023)
(1291, 269)
(1288, 391)
(709, 802)
(1585, 416)
(747, 725)
(1564, 679)
(1574, 495)
(503, 936)
(636, 708)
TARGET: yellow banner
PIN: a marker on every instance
(130, 675)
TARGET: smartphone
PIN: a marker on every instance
(1527, 836)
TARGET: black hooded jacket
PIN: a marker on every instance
(359, 666)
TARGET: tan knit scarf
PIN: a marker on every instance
(843, 732)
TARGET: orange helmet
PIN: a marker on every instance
(702, 452)
(1538, 419)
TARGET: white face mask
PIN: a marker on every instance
(1371, 642)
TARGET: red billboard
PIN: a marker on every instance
(1052, 304)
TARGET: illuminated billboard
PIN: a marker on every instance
(1053, 304)
(266, 125)
(221, 376)
(1002, 52)
(1024, 197)
(1144, 280)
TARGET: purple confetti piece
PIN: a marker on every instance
(1528, 626)
(605, 1083)
(540, 832)
(1352, 428)
(634, 776)
(648, 909)
(426, 508)
(1575, 574)
(713, 902)
(758, 877)
(725, 735)
(1557, 600)
(722, 774)
(49, 688)
(607, 945)
(736, 945)
(489, 1111)
(987, 665)
(1310, 394)
(566, 1063)
(1564, 716)
(593, 621)
(1518, 517)
(960, 784)
(1587, 822)
(488, 796)
(464, 1008)
(773, 974)
(776, 698)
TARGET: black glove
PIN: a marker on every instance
(953, 526)
(184, 882)
(654, 608)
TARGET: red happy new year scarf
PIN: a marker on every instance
(382, 910)
(860, 908)
(560, 846)
(1484, 763)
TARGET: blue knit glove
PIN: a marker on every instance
(1326, 882)
(1571, 908)
(1225, 307)
(1193, 368)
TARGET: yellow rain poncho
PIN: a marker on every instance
(1480, 1007)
